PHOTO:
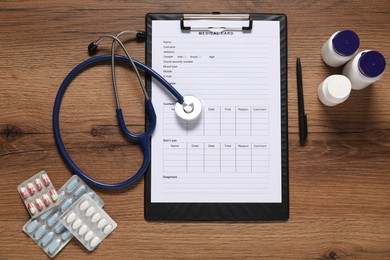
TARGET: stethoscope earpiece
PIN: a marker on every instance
(92, 48)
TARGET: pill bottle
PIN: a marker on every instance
(340, 48)
(334, 90)
(365, 68)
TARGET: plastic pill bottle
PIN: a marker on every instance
(340, 48)
(334, 90)
(365, 68)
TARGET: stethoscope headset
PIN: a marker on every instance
(187, 107)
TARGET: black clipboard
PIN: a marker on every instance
(225, 211)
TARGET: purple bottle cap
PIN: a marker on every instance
(346, 42)
(372, 64)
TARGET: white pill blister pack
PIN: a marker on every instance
(38, 193)
(88, 222)
(46, 229)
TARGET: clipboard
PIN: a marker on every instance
(157, 207)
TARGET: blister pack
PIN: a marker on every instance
(38, 193)
(88, 222)
(46, 229)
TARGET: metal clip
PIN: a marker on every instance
(216, 16)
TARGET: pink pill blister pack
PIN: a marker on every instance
(38, 193)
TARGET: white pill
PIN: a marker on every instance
(95, 241)
(88, 236)
(76, 224)
(83, 229)
(84, 205)
(102, 223)
(107, 229)
(95, 217)
(70, 218)
(90, 211)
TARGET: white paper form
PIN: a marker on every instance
(232, 153)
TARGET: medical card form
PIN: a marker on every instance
(232, 152)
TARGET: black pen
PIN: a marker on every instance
(302, 119)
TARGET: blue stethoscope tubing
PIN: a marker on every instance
(142, 139)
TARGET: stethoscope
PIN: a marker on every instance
(187, 107)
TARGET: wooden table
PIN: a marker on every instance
(339, 182)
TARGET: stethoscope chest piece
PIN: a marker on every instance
(190, 109)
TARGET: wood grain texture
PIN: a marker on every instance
(339, 182)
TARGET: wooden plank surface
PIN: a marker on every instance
(339, 182)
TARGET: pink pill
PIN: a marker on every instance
(23, 192)
(31, 207)
(46, 180)
(31, 188)
(53, 195)
(39, 184)
(46, 200)
(39, 204)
